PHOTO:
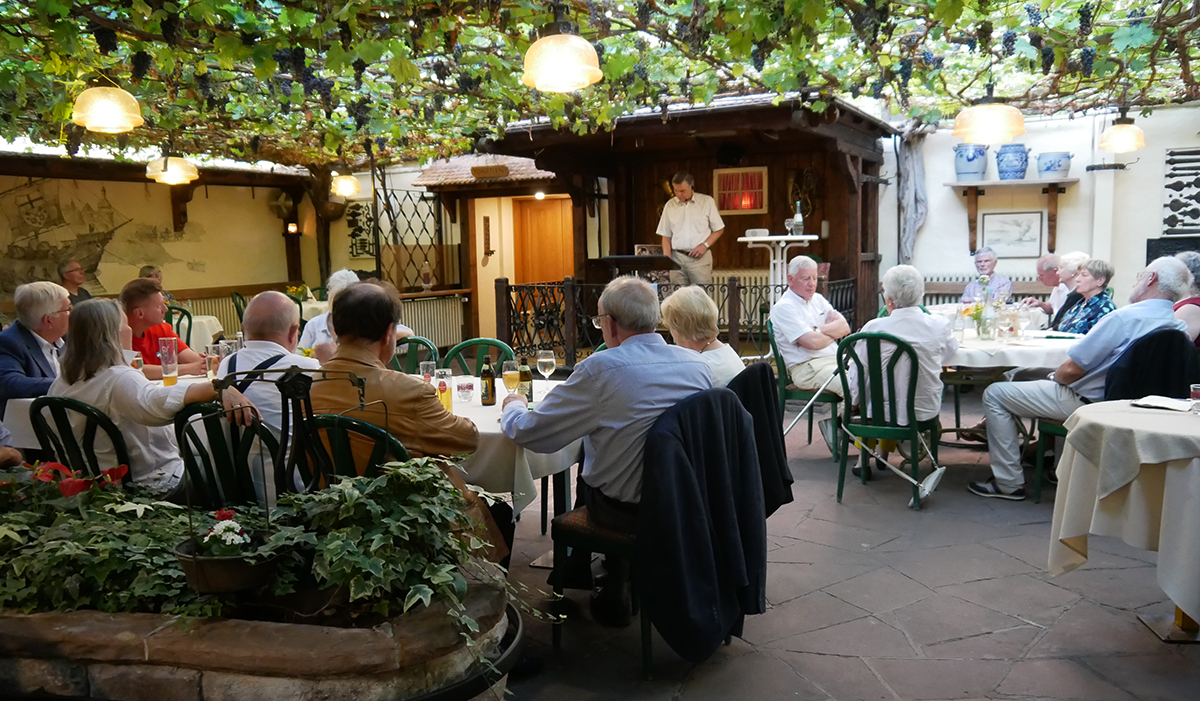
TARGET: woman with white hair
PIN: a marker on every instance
(316, 330)
(1068, 272)
(94, 372)
(1187, 310)
(691, 317)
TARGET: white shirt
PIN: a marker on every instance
(143, 411)
(689, 223)
(264, 394)
(610, 401)
(50, 350)
(792, 317)
(1057, 297)
(724, 363)
(931, 337)
(316, 332)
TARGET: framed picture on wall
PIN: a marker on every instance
(1013, 234)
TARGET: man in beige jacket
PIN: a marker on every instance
(364, 318)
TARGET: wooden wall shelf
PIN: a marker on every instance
(1051, 187)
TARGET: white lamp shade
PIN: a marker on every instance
(171, 170)
(1122, 138)
(989, 123)
(107, 111)
(561, 63)
(345, 185)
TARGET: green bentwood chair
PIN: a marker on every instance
(221, 460)
(339, 431)
(787, 391)
(413, 345)
(61, 441)
(239, 303)
(176, 317)
(878, 398)
(483, 347)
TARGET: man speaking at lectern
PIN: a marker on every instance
(689, 227)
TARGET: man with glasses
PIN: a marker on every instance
(610, 401)
(29, 348)
(72, 275)
(1047, 274)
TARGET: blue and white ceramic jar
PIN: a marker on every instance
(1012, 160)
(970, 162)
(1055, 164)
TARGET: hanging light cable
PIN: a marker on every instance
(989, 122)
(560, 60)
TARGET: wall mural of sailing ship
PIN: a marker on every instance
(49, 221)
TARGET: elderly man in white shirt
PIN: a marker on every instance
(1047, 274)
(689, 226)
(807, 329)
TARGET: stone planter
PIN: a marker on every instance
(147, 657)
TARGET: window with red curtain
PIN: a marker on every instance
(740, 190)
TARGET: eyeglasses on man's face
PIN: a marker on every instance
(596, 319)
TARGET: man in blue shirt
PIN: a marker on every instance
(1079, 380)
(610, 401)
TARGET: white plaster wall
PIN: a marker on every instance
(1109, 214)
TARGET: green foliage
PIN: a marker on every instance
(392, 542)
(436, 76)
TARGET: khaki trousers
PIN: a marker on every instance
(693, 271)
(809, 376)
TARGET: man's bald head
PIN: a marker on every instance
(272, 316)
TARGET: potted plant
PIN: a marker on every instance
(227, 558)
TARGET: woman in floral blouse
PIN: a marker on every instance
(1092, 283)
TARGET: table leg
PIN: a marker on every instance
(562, 497)
(1180, 628)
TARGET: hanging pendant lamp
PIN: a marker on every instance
(560, 60)
(171, 170)
(344, 185)
(1123, 136)
(107, 111)
(989, 122)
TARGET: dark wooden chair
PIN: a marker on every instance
(788, 391)
(337, 433)
(61, 442)
(219, 456)
(239, 304)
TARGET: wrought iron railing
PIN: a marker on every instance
(557, 316)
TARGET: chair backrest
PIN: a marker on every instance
(1162, 363)
(602, 346)
(781, 371)
(176, 316)
(482, 346)
(884, 313)
(413, 345)
(239, 304)
(318, 292)
(61, 441)
(877, 407)
(338, 433)
(299, 306)
(219, 456)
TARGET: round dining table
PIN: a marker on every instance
(312, 307)
(1134, 473)
(499, 465)
(1034, 349)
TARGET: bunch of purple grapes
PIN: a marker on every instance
(1085, 19)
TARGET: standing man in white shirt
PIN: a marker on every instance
(807, 329)
(689, 227)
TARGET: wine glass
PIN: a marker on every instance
(511, 374)
(546, 364)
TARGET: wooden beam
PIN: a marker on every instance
(1020, 288)
(180, 196)
(54, 167)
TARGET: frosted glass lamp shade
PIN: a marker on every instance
(1122, 137)
(171, 170)
(107, 111)
(989, 123)
(345, 185)
(561, 63)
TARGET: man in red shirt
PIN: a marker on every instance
(144, 306)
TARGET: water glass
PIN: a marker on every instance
(466, 389)
(1195, 399)
(168, 353)
(426, 368)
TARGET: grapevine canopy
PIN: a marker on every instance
(318, 82)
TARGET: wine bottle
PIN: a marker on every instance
(487, 381)
(526, 375)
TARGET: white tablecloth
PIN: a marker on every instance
(312, 307)
(1134, 474)
(499, 465)
(205, 328)
(1037, 317)
(1033, 350)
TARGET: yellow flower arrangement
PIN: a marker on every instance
(298, 291)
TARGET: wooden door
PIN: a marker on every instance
(543, 240)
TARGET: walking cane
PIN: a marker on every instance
(811, 401)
